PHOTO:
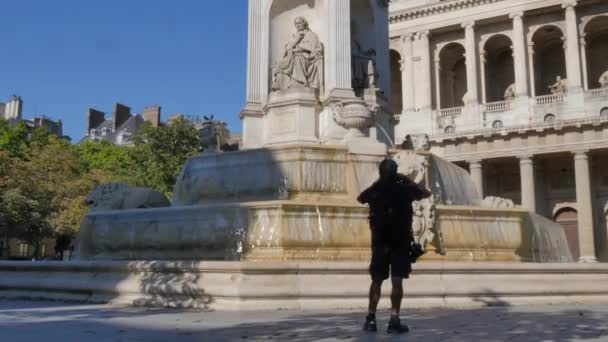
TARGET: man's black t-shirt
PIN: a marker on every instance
(390, 204)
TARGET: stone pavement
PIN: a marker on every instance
(43, 321)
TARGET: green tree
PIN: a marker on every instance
(116, 163)
(14, 139)
(160, 153)
(44, 194)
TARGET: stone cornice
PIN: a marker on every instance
(443, 7)
(540, 130)
(488, 133)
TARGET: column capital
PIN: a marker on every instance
(468, 24)
(424, 34)
(407, 37)
(525, 158)
(581, 154)
(475, 163)
(516, 15)
(569, 4)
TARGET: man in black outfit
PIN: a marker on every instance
(390, 202)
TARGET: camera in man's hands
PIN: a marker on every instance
(416, 251)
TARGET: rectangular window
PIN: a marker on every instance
(24, 250)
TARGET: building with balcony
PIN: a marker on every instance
(515, 91)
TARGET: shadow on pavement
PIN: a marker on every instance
(534, 323)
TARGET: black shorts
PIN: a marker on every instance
(394, 259)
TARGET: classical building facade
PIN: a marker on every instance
(515, 91)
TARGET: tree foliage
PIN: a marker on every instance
(44, 181)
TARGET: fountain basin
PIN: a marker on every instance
(294, 230)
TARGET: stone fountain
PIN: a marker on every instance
(262, 227)
(315, 128)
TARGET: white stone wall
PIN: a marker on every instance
(538, 56)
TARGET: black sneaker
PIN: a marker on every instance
(395, 326)
(370, 324)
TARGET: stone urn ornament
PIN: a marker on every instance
(355, 116)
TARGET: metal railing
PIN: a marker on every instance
(496, 107)
(450, 112)
(548, 99)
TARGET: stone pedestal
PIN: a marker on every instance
(292, 117)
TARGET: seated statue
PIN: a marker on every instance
(119, 196)
(560, 86)
(510, 92)
(604, 80)
(302, 61)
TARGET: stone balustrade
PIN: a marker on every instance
(450, 112)
(497, 107)
(549, 99)
(602, 92)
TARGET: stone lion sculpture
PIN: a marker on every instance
(498, 202)
(119, 196)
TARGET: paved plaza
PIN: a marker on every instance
(38, 321)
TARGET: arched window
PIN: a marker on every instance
(449, 130)
(549, 58)
(550, 118)
(604, 113)
(497, 124)
(500, 72)
(596, 38)
(396, 82)
(453, 76)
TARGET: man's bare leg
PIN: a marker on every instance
(396, 296)
(374, 298)
(375, 292)
(394, 325)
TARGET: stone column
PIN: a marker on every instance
(528, 190)
(407, 74)
(426, 96)
(338, 82)
(519, 54)
(585, 207)
(531, 70)
(476, 169)
(483, 62)
(471, 62)
(438, 82)
(573, 60)
(583, 43)
(255, 54)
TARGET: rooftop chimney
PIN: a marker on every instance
(120, 115)
(94, 119)
(13, 108)
(152, 115)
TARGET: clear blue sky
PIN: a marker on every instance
(63, 56)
